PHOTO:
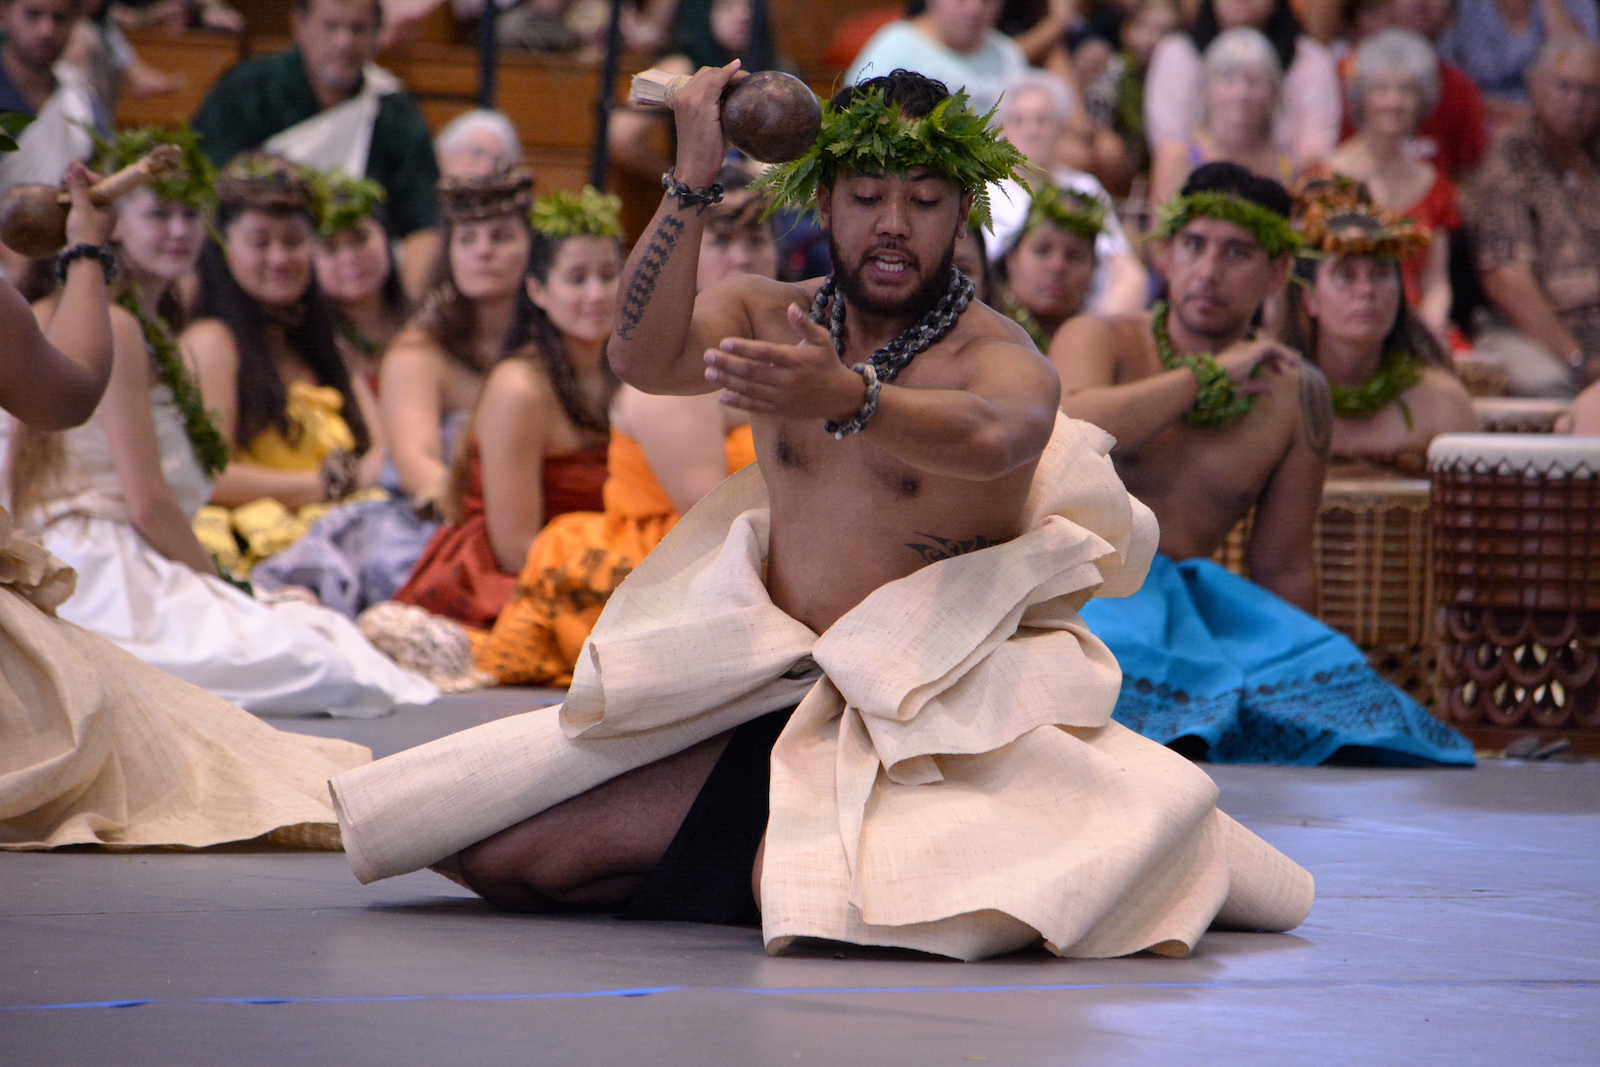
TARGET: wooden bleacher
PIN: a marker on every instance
(550, 100)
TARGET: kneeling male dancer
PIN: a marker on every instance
(910, 559)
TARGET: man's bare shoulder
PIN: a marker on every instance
(760, 298)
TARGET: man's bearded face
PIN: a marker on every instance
(1217, 276)
(892, 239)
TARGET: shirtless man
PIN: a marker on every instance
(1219, 665)
(1200, 480)
(943, 466)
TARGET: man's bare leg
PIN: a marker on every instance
(596, 849)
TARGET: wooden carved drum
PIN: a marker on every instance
(1516, 570)
(1515, 414)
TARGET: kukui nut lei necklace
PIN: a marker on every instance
(883, 365)
(1398, 372)
(209, 447)
(1217, 399)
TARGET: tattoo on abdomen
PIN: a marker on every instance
(645, 275)
(945, 548)
(1316, 410)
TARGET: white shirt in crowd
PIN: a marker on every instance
(984, 74)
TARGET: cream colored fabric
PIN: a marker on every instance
(99, 748)
(339, 138)
(952, 781)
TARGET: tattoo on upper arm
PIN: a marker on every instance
(1316, 410)
(945, 548)
(645, 275)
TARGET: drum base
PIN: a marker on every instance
(1410, 669)
(1504, 674)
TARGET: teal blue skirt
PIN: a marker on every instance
(1208, 655)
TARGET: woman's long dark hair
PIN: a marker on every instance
(1281, 28)
(263, 397)
(533, 337)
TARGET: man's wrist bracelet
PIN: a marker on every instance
(107, 259)
(869, 406)
(690, 197)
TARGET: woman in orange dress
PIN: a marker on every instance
(536, 446)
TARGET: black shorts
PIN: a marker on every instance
(705, 875)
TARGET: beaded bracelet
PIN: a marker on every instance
(690, 197)
(869, 406)
(107, 258)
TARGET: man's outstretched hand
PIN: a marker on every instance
(804, 380)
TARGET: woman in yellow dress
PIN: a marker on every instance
(303, 432)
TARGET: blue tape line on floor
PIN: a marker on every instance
(646, 991)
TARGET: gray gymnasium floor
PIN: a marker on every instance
(1458, 922)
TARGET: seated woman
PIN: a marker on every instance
(1394, 87)
(1044, 264)
(360, 554)
(114, 499)
(356, 272)
(1241, 94)
(301, 430)
(666, 453)
(1036, 113)
(97, 748)
(1393, 390)
(535, 446)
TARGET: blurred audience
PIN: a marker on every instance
(1043, 267)
(737, 238)
(1112, 73)
(1307, 126)
(954, 41)
(1241, 94)
(1036, 114)
(1534, 214)
(324, 104)
(476, 144)
(1455, 134)
(536, 444)
(1496, 42)
(1394, 84)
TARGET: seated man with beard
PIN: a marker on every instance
(1229, 668)
(850, 693)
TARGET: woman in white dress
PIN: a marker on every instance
(115, 499)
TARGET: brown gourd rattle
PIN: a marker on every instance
(772, 117)
(33, 217)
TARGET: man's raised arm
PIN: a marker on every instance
(657, 345)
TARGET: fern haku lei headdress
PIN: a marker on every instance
(1076, 212)
(340, 201)
(1270, 229)
(194, 184)
(587, 214)
(871, 136)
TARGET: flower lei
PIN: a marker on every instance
(1398, 372)
(1217, 399)
(1270, 229)
(871, 136)
(1075, 212)
(586, 214)
(209, 447)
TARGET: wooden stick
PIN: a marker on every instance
(163, 160)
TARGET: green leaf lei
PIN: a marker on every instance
(1399, 372)
(338, 201)
(586, 214)
(1081, 213)
(195, 184)
(209, 447)
(1217, 399)
(1012, 308)
(12, 123)
(870, 136)
(1270, 229)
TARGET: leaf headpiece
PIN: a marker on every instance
(1270, 229)
(341, 201)
(1076, 212)
(587, 214)
(870, 136)
(195, 184)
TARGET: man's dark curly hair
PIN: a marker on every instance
(917, 94)
(1226, 177)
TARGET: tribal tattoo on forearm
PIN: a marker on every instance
(1316, 410)
(945, 548)
(643, 283)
